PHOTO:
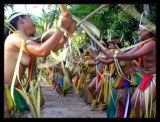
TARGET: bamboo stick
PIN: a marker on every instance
(63, 8)
(90, 35)
(123, 49)
(91, 14)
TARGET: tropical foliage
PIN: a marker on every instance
(111, 19)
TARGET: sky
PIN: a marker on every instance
(34, 9)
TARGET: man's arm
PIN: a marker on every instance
(133, 50)
(90, 63)
(105, 61)
(148, 47)
(42, 38)
(36, 48)
(93, 63)
(61, 44)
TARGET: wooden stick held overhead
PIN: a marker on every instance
(91, 36)
(91, 14)
(63, 8)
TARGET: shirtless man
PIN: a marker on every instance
(126, 67)
(25, 28)
(148, 52)
(120, 84)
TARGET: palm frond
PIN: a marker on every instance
(94, 30)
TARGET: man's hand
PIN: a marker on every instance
(71, 29)
(106, 51)
(66, 20)
(93, 54)
(110, 54)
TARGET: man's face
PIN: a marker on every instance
(111, 45)
(30, 26)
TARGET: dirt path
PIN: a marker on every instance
(69, 106)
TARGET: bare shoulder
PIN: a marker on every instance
(17, 36)
(12, 37)
(150, 44)
(10, 42)
(153, 42)
(16, 39)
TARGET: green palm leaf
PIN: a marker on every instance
(93, 29)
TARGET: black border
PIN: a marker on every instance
(77, 2)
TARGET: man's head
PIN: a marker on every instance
(112, 43)
(24, 22)
(145, 33)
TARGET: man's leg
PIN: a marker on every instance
(92, 87)
(120, 100)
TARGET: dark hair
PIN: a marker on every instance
(81, 50)
(120, 45)
(13, 22)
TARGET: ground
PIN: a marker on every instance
(69, 106)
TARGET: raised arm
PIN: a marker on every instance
(61, 44)
(37, 49)
(52, 43)
(148, 47)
